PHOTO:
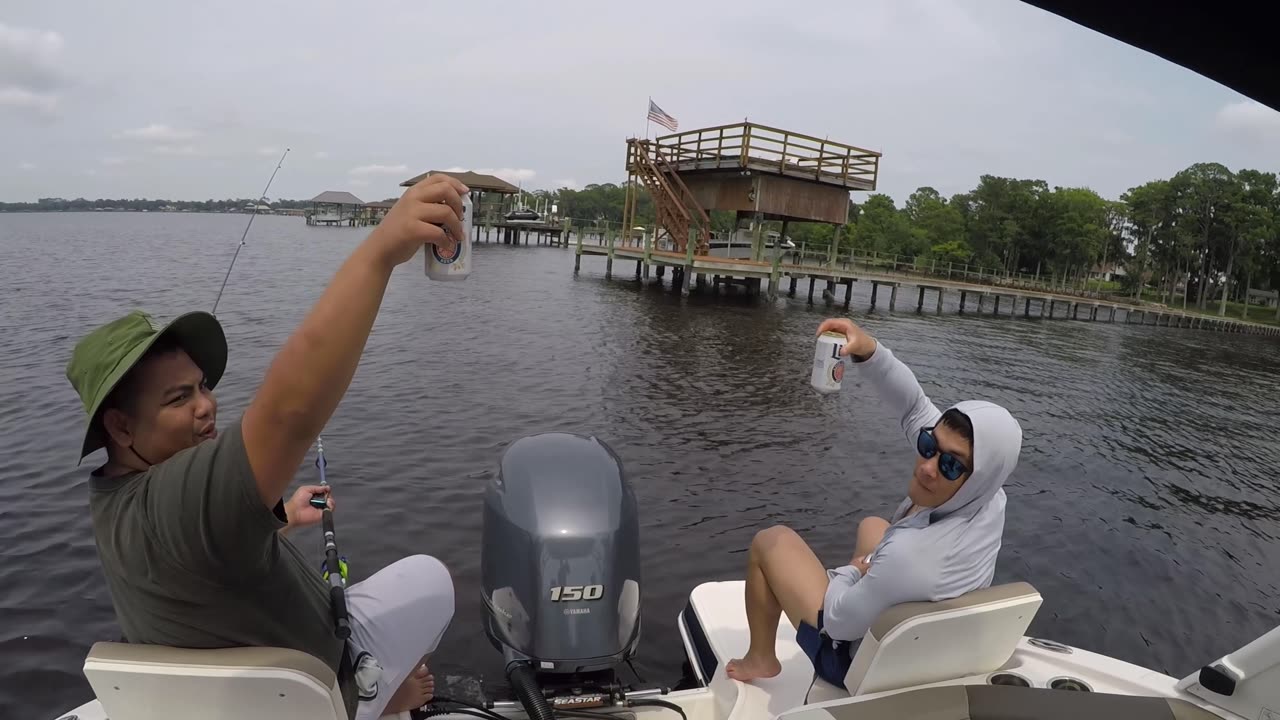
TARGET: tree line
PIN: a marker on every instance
(1207, 232)
(139, 204)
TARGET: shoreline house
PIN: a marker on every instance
(1265, 298)
(375, 211)
(1107, 273)
(334, 208)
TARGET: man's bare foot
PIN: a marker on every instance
(750, 668)
(416, 691)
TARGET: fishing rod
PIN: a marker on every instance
(245, 234)
(334, 568)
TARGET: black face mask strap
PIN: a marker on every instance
(138, 455)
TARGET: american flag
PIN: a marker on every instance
(659, 116)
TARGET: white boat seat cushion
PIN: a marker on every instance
(924, 642)
(153, 682)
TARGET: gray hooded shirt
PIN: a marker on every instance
(937, 553)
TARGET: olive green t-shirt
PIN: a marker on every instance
(193, 559)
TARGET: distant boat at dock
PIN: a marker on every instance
(738, 245)
(523, 215)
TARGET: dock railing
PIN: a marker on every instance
(932, 267)
(611, 232)
(767, 149)
(604, 233)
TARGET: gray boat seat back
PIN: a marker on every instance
(153, 682)
(992, 702)
(926, 642)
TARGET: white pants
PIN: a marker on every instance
(398, 615)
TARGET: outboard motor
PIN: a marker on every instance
(560, 567)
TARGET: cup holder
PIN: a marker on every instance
(1070, 684)
(1008, 679)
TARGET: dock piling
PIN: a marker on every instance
(893, 296)
(811, 282)
(939, 301)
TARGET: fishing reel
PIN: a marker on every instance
(342, 569)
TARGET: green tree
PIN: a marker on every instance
(1202, 191)
(952, 251)
(1249, 217)
(934, 222)
(880, 227)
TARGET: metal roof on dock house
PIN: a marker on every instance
(336, 197)
(475, 181)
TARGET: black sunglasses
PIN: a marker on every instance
(949, 465)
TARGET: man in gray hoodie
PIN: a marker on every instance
(941, 542)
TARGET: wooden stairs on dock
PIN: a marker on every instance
(679, 216)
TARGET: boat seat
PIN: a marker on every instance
(994, 702)
(153, 682)
(925, 642)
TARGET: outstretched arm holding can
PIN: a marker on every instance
(313, 369)
(894, 382)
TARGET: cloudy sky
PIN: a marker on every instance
(152, 98)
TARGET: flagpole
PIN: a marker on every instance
(647, 121)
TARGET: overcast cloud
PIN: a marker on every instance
(191, 101)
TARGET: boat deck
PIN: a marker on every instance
(721, 610)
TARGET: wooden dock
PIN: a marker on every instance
(691, 272)
(513, 233)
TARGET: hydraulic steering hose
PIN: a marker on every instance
(525, 684)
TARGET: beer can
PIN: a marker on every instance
(452, 263)
(828, 365)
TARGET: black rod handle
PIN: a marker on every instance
(341, 621)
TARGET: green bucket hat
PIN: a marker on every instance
(103, 357)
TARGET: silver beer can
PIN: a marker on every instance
(828, 366)
(453, 262)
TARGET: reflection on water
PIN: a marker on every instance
(1144, 507)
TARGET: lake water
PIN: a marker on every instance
(1144, 507)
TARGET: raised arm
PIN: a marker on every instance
(310, 374)
(893, 381)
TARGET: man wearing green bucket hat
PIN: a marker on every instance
(189, 520)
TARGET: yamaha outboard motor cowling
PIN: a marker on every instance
(561, 558)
